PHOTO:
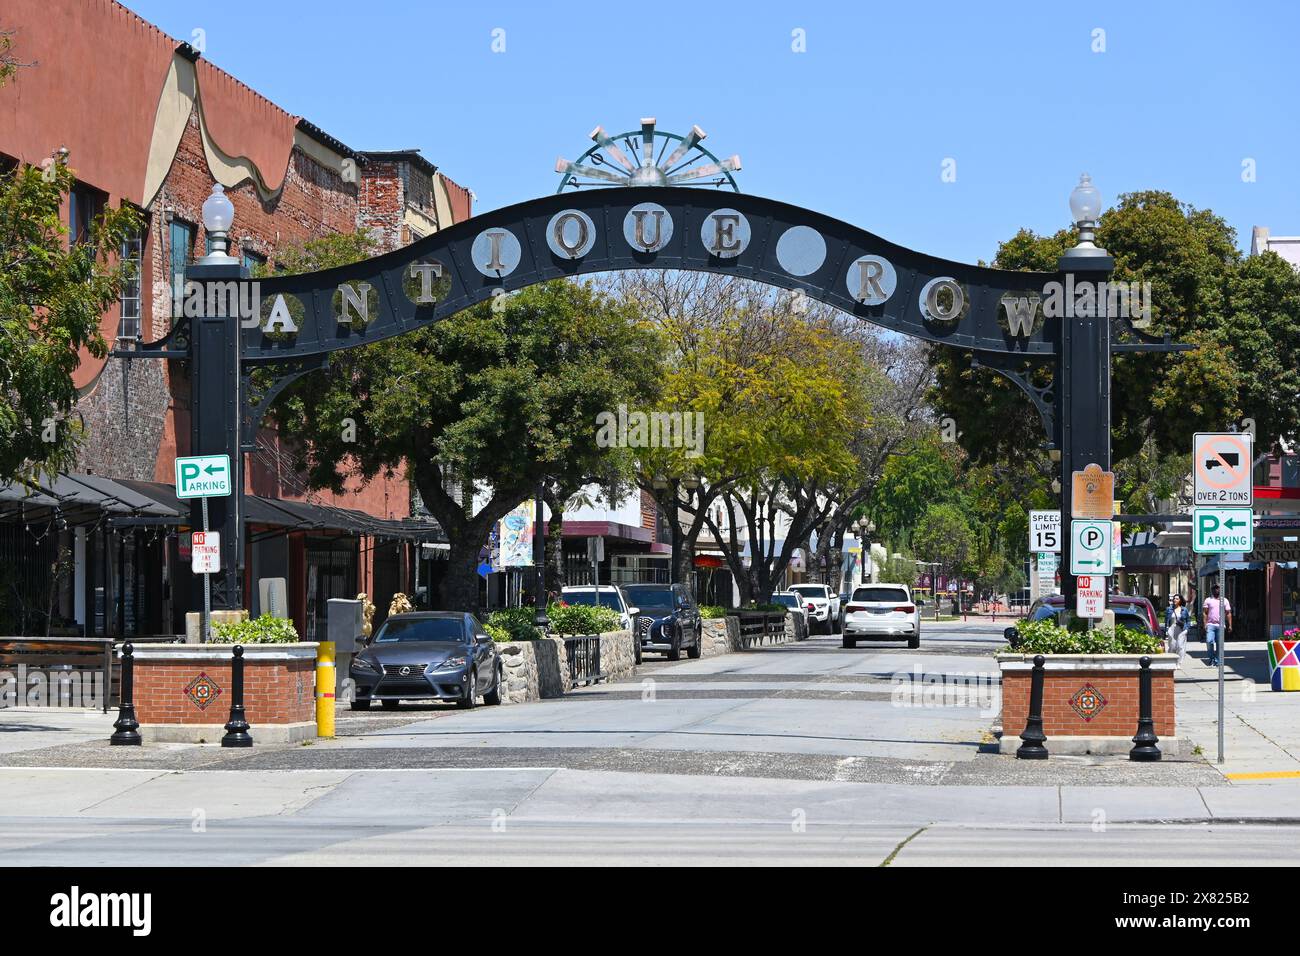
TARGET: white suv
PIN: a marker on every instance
(883, 612)
(606, 595)
(821, 605)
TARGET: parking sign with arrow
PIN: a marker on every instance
(1223, 530)
(1090, 547)
(203, 476)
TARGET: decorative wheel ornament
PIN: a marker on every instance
(648, 157)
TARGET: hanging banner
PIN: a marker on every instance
(515, 531)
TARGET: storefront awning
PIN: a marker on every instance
(86, 499)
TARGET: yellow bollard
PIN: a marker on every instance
(325, 683)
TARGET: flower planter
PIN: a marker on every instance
(1090, 701)
(182, 691)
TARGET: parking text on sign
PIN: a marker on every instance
(205, 552)
(1090, 596)
(1223, 530)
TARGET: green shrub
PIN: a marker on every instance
(513, 624)
(262, 630)
(712, 612)
(582, 618)
(767, 608)
(1048, 637)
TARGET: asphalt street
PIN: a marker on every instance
(806, 753)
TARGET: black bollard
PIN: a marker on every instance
(1144, 743)
(1032, 748)
(237, 727)
(126, 729)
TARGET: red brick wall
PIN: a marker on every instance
(275, 692)
(1118, 718)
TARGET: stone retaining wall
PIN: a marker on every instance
(537, 670)
(721, 635)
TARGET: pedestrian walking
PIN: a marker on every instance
(1218, 622)
(1179, 620)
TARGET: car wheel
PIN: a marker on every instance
(471, 694)
(914, 642)
(389, 704)
(496, 695)
(693, 652)
(850, 643)
(675, 649)
(636, 649)
(360, 704)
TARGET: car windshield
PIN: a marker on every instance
(649, 596)
(789, 600)
(1128, 616)
(880, 594)
(810, 590)
(607, 599)
(446, 629)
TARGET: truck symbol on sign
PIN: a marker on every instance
(1230, 459)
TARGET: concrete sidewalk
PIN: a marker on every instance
(541, 794)
(1261, 726)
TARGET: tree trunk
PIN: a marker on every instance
(458, 590)
(555, 576)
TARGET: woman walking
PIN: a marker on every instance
(1179, 620)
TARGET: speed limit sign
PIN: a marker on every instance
(1045, 531)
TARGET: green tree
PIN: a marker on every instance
(923, 473)
(1190, 258)
(53, 296)
(507, 397)
(943, 537)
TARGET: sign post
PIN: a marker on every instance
(1223, 519)
(203, 477)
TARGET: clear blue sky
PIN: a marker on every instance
(857, 127)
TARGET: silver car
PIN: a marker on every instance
(882, 612)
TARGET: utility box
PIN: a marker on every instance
(273, 596)
(344, 619)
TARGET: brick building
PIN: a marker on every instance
(155, 126)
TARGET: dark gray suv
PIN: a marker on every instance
(667, 620)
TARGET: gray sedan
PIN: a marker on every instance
(428, 655)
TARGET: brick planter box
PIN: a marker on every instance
(182, 692)
(1090, 701)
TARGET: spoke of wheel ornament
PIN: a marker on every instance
(628, 159)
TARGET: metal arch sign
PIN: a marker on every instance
(599, 230)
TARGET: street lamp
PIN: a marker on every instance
(218, 216)
(1085, 207)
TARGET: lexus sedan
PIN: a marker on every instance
(428, 656)
(667, 619)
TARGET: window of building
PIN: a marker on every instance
(250, 260)
(132, 255)
(85, 205)
(181, 250)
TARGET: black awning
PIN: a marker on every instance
(85, 499)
